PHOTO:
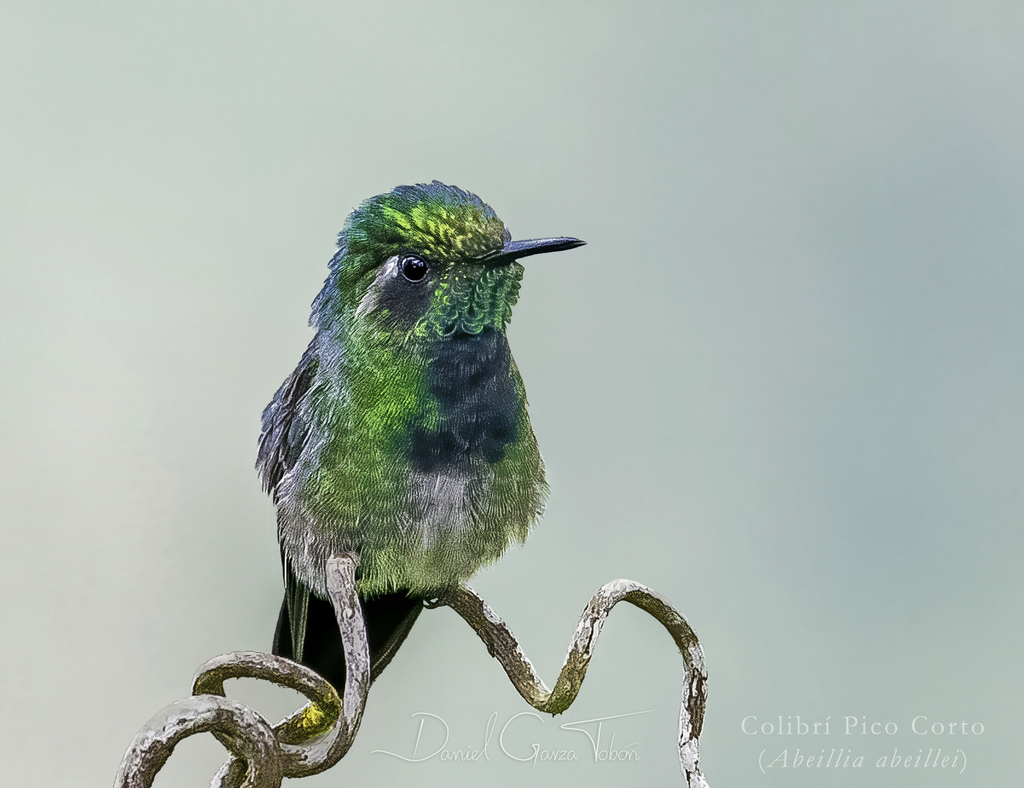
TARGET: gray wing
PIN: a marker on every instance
(284, 428)
(282, 438)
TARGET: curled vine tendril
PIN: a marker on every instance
(319, 734)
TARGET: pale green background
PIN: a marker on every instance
(782, 384)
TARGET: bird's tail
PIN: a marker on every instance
(308, 622)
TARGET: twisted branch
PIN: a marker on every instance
(313, 739)
(502, 645)
(246, 734)
(319, 734)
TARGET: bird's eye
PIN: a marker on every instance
(412, 268)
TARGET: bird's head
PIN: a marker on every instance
(423, 263)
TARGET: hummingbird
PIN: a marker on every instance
(403, 433)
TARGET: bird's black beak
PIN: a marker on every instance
(513, 250)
